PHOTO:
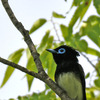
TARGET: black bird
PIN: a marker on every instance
(69, 74)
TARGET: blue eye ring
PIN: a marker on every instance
(61, 51)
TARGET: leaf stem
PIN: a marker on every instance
(55, 28)
(90, 62)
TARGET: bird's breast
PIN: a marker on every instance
(71, 84)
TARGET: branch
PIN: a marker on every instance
(41, 73)
(21, 68)
(25, 34)
(90, 63)
(45, 78)
(55, 28)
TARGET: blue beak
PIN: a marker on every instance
(52, 51)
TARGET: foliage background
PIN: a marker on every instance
(89, 31)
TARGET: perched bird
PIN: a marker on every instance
(69, 74)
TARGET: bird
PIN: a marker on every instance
(69, 74)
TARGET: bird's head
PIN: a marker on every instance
(64, 53)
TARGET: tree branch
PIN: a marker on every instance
(90, 62)
(45, 78)
(21, 68)
(25, 34)
(41, 73)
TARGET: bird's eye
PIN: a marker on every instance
(61, 51)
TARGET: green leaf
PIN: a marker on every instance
(97, 82)
(94, 37)
(93, 52)
(44, 95)
(23, 98)
(87, 75)
(54, 14)
(92, 94)
(76, 2)
(66, 32)
(84, 29)
(77, 36)
(80, 12)
(51, 70)
(99, 41)
(31, 66)
(14, 57)
(82, 45)
(50, 65)
(91, 28)
(76, 15)
(11, 99)
(43, 42)
(87, 4)
(37, 25)
(49, 42)
(44, 55)
(97, 5)
(47, 59)
(97, 67)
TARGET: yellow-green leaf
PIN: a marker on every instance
(57, 15)
(97, 82)
(87, 5)
(82, 45)
(97, 5)
(37, 25)
(14, 57)
(91, 28)
(49, 42)
(76, 2)
(92, 51)
(43, 42)
(31, 66)
(66, 32)
(80, 12)
(94, 37)
(87, 75)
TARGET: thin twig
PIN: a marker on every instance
(87, 59)
(55, 29)
(21, 68)
(90, 63)
(91, 78)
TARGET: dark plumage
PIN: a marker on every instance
(69, 74)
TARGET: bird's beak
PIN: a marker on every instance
(52, 51)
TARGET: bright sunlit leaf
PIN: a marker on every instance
(57, 15)
(37, 25)
(92, 51)
(97, 5)
(14, 57)
(76, 2)
(92, 29)
(80, 12)
(31, 66)
(43, 42)
(66, 32)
